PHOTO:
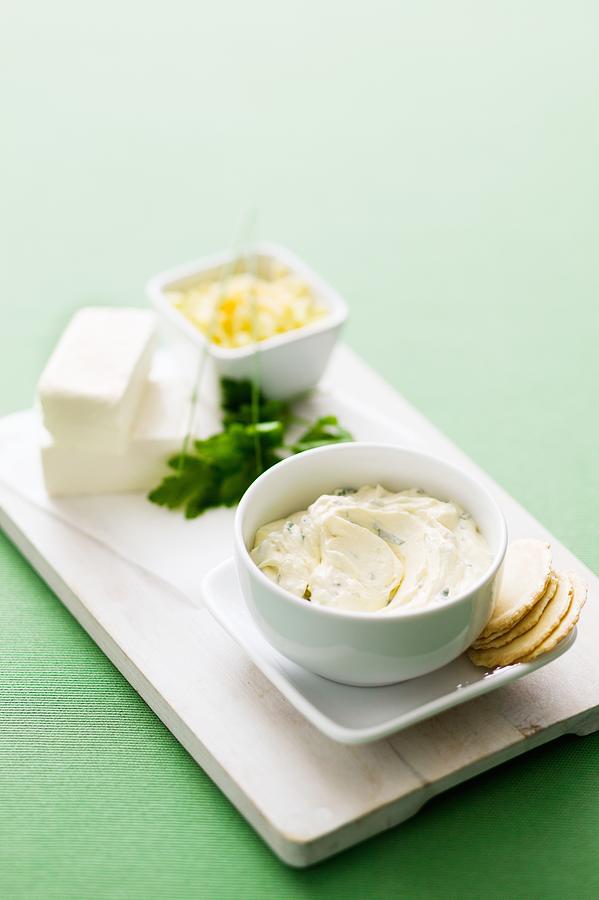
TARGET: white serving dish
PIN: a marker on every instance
(363, 648)
(351, 714)
(289, 364)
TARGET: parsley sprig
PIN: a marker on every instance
(218, 470)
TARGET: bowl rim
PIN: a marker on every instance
(158, 285)
(243, 553)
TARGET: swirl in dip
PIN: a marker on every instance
(371, 550)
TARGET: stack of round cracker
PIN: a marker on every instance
(535, 607)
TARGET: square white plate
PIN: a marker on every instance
(355, 715)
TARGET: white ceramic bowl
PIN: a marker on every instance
(288, 364)
(355, 647)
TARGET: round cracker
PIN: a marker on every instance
(520, 583)
(531, 618)
(567, 623)
(526, 643)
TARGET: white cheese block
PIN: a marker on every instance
(158, 432)
(91, 387)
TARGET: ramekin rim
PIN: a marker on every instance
(337, 308)
(242, 552)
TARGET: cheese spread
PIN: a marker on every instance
(372, 549)
(244, 308)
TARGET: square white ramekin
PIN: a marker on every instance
(287, 364)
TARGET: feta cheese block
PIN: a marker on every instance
(158, 432)
(91, 387)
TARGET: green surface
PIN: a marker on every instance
(438, 163)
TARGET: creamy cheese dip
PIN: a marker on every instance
(371, 549)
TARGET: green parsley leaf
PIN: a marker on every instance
(236, 400)
(219, 469)
(325, 430)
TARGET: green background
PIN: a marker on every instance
(437, 162)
